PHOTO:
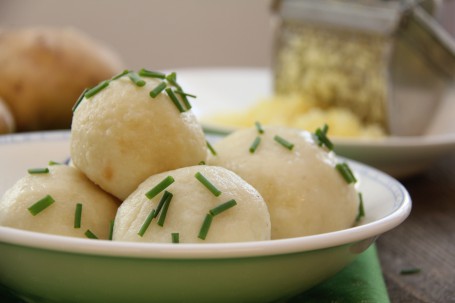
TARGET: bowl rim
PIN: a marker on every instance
(36, 240)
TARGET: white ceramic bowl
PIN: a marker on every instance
(48, 268)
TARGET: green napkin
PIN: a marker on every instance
(361, 281)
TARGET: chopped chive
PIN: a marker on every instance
(41, 205)
(259, 127)
(89, 234)
(160, 187)
(51, 163)
(136, 79)
(182, 93)
(409, 271)
(174, 99)
(164, 211)
(158, 89)
(146, 223)
(321, 137)
(210, 147)
(202, 162)
(361, 210)
(222, 207)
(151, 74)
(161, 203)
(255, 144)
(111, 229)
(120, 75)
(205, 227)
(172, 79)
(93, 91)
(284, 142)
(175, 238)
(186, 102)
(40, 170)
(346, 172)
(184, 96)
(79, 100)
(212, 188)
(78, 216)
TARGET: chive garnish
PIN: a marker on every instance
(255, 144)
(41, 205)
(151, 74)
(78, 216)
(212, 188)
(161, 203)
(321, 137)
(160, 187)
(89, 234)
(165, 208)
(222, 207)
(136, 79)
(259, 127)
(182, 93)
(175, 238)
(185, 102)
(210, 147)
(51, 163)
(158, 89)
(174, 99)
(111, 229)
(172, 79)
(40, 170)
(201, 163)
(79, 100)
(205, 227)
(93, 91)
(146, 223)
(361, 210)
(409, 271)
(346, 172)
(120, 75)
(284, 142)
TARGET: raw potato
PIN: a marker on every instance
(7, 123)
(304, 192)
(44, 70)
(67, 186)
(121, 136)
(249, 220)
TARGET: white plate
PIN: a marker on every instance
(48, 268)
(235, 89)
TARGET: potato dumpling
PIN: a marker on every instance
(304, 191)
(43, 70)
(122, 135)
(245, 219)
(66, 187)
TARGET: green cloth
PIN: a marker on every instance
(360, 282)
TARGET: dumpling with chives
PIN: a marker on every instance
(59, 200)
(197, 204)
(298, 179)
(133, 126)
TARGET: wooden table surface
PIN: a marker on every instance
(425, 241)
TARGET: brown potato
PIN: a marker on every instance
(44, 70)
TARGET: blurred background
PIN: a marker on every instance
(160, 34)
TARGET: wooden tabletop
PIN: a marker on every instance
(425, 242)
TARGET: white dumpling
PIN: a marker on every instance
(67, 187)
(247, 220)
(121, 135)
(304, 192)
